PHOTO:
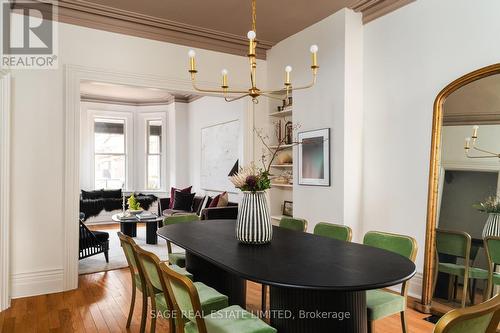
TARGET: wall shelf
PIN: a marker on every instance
(283, 147)
(282, 114)
(284, 186)
(282, 165)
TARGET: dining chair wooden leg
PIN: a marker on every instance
(455, 287)
(153, 315)
(450, 288)
(144, 311)
(404, 324)
(132, 304)
(264, 299)
(370, 327)
(464, 292)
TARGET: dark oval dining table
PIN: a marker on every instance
(317, 284)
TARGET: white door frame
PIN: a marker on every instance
(73, 76)
(5, 124)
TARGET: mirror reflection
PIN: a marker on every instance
(468, 206)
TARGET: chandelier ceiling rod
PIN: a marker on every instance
(253, 91)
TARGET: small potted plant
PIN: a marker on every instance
(253, 225)
(134, 206)
(491, 206)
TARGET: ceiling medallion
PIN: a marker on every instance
(254, 92)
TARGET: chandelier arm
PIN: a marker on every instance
(469, 156)
(485, 151)
(218, 91)
(284, 90)
(235, 98)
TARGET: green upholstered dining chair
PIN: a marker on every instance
(492, 246)
(481, 318)
(211, 300)
(380, 303)
(178, 258)
(137, 277)
(456, 244)
(335, 231)
(186, 299)
(291, 223)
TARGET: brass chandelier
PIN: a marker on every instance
(253, 91)
(470, 144)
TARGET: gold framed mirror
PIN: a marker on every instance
(435, 172)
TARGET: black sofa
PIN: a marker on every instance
(94, 202)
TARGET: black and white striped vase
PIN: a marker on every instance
(253, 225)
(492, 226)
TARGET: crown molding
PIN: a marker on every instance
(471, 119)
(373, 9)
(122, 101)
(96, 16)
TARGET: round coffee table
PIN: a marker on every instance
(129, 227)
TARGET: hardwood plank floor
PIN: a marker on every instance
(101, 304)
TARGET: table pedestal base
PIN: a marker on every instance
(129, 228)
(224, 282)
(294, 310)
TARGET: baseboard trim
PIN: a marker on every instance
(414, 287)
(37, 283)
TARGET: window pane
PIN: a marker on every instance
(154, 172)
(154, 139)
(109, 136)
(109, 171)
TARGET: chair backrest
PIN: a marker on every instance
(400, 244)
(180, 218)
(184, 296)
(127, 244)
(481, 318)
(492, 246)
(454, 243)
(149, 263)
(335, 231)
(295, 224)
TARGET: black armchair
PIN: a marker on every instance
(92, 242)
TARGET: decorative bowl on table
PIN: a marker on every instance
(135, 211)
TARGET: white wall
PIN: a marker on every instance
(409, 56)
(38, 137)
(206, 112)
(336, 94)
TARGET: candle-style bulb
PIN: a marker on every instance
(474, 131)
(288, 69)
(467, 143)
(192, 66)
(224, 78)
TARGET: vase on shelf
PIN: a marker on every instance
(253, 225)
(492, 226)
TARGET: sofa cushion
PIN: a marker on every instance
(172, 194)
(183, 201)
(223, 200)
(97, 194)
(108, 194)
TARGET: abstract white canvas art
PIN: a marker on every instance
(220, 149)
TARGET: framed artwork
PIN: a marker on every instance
(288, 208)
(314, 157)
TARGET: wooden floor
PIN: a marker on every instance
(101, 304)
